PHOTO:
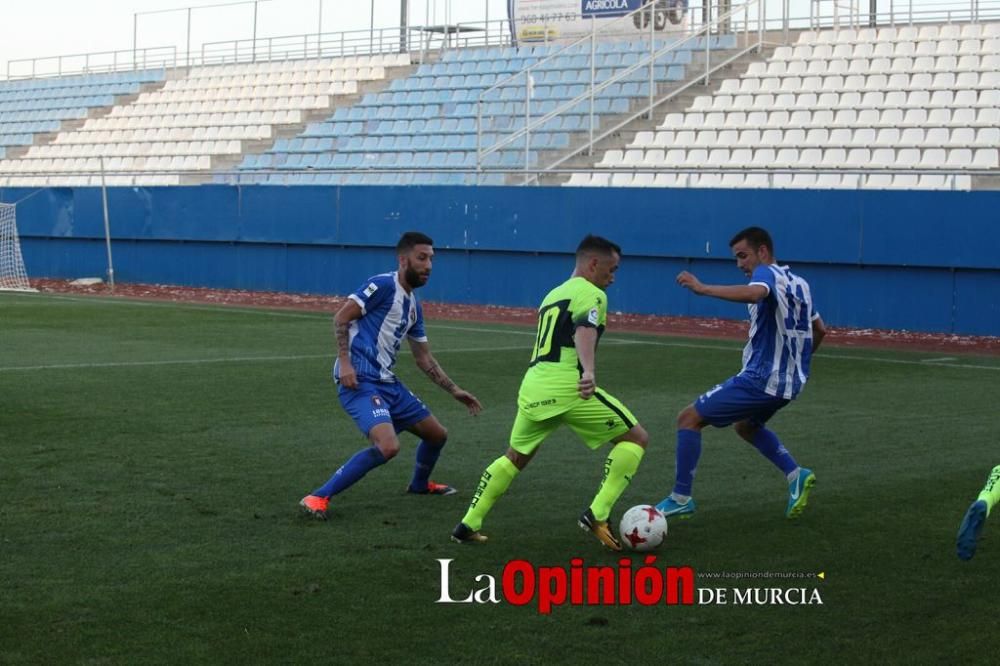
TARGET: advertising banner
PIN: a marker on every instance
(564, 20)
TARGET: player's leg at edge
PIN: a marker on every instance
(620, 466)
(976, 515)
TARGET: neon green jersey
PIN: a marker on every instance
(550, 385)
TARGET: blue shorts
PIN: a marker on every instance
(382, 402)
(737, 399)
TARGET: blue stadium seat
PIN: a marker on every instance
(420, 142)
(405, 160)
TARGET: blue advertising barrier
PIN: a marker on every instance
(924, 261)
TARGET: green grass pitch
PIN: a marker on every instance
(152, 455)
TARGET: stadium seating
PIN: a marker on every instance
(194, 123)
(908, 98)
(895, 107)
(38, 106)
(429, 120)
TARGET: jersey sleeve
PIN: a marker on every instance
(372, 292)
(763, 276)
(590, 310)
(417, 332)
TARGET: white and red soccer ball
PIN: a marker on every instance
(643, 528)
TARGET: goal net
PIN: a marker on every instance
(13, 277)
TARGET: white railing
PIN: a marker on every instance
(159, 57)
(414, 39)
(420, 40)
(857, 14)
(793, 15)
(246, 178)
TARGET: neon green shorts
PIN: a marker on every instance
(595, 421)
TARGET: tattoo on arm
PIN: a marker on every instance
(342, 332)
(438, 376)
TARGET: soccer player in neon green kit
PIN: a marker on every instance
(560, 388)
(976, 515)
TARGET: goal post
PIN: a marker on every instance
(13, 276)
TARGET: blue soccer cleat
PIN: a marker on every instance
(798, 492)
(968, 532)
(669, 507)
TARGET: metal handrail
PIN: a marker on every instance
(393, 39)
(494, 33)
(941, 12)
(38, 177)
(608, 28)
(122, 60)
(646, 111)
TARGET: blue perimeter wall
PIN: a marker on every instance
(923, 261)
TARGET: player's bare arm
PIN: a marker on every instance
(341, 331)
(429, 365)
(738, 293)
(819, 332)
(585, 339)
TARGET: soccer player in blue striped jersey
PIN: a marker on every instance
(370, 329)
(785, 331)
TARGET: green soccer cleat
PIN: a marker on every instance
(798, 492)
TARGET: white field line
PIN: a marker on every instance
(937, 362)
(230, 359)
(615, 341)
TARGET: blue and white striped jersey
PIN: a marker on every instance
(389, 315)
(777, 356)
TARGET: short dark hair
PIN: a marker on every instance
(592, 244)
(411, 239)
(756, 236)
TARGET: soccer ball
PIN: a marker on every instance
(643, 527)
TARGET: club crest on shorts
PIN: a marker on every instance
(379, 410)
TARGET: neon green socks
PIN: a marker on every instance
(991, 491)
(492, 485)
(622, 462)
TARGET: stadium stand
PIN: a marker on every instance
(198, 122)
(427, 123)
(918, 98)
(910, 106)
(30, 108)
